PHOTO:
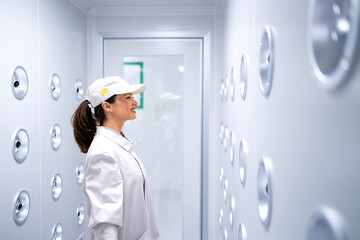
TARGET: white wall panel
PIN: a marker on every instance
(19, 114)
(309, 133)
(62, 51)
(43, 37)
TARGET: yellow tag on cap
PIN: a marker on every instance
(105, 90)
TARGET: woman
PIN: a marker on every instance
(116, 187)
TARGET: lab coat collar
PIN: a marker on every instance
(113, 135)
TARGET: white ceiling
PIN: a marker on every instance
(151, 3)
(149, 7)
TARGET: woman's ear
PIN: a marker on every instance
(106, 106)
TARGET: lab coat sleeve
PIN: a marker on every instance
(104, 187)
(105, 231)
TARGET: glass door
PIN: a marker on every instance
(167, 131)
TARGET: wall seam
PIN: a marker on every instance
(39, 109)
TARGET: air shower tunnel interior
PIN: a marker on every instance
(280, 125)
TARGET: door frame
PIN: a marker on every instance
(96, 70)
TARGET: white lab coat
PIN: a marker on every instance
(116, 190)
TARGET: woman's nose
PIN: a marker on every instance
(135, 103)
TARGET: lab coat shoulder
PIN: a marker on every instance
(101, 162)
(102, 145)
(103, 184)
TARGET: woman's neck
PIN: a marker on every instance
(117, 126)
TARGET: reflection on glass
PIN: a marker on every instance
(181, 68)
(159, 129)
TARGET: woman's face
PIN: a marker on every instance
(124, 107)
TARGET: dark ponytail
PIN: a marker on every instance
(84, 126)
(84, 123)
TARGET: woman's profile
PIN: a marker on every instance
(116, 189)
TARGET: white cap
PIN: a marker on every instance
(104, 88)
